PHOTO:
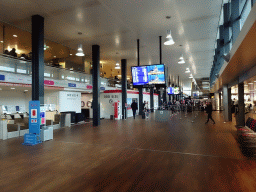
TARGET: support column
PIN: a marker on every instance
(140, 89)
(227, 103)
(240, 117)
(152, 99)
(38, 58)
(220, 101)
(235, 19)
(124, 87)
(96, 84)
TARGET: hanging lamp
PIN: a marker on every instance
(80, 52)
(169, 39)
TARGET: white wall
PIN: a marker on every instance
(14, 98)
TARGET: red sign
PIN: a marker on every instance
(48, 82)
(33, 113)
(89, 87)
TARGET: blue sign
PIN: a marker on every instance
(2, 77)
(34, 117)
(72, 85)
(140, 75)
(170, 90)
(30, 139)
(102, 88)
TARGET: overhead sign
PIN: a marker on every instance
(2, 77)
(89, 87)
(72, 85)
(48, 82)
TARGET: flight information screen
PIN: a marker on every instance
(140, 75)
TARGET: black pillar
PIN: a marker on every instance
(152, 99)
(96, 84)
(160, 48)
(38, 58)
(140, 89)
(124, 87)
(240, 116)
(220, 101)
(227, 103)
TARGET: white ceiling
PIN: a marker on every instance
(117, 24)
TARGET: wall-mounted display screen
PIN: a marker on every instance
(148, 75)
(139, 75)
(156, 74)
(176, 90)
(170, 90)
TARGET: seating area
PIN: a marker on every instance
(247, 137)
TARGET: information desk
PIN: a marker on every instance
(162, 115)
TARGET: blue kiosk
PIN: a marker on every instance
(33, 137)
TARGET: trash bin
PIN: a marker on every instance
(143, 115)
(111, 117)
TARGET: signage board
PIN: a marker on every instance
(71, 85)
(34, 117)
(2, 77)
(140, 75)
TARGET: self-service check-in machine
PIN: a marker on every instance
(33, 137)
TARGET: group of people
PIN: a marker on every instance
(134, 107)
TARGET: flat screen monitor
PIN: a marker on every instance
(170, 90)
(139, 76)
(176, 90)
(156, 74)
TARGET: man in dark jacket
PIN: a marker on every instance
(134, 107)
(209, 111)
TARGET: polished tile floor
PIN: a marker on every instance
(131, 155)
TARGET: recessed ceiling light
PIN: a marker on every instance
(25, 90)
(54, 56)
(2, 41)
(15, 36)
(70, 54)
(12, 88)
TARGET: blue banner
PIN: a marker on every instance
(2, 77)
(102, 88)
(72, 85)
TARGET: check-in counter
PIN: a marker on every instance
(50, 115)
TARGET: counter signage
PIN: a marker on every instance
(2, 77)
(71, 85)
(48, 82)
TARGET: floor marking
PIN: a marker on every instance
(152, 150)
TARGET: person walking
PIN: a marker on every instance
(134, 107)
(209, 111)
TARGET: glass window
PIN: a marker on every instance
(47, 74)
(4, 68)
(245, 13)
(24, 71)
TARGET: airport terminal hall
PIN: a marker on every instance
(128, 95)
